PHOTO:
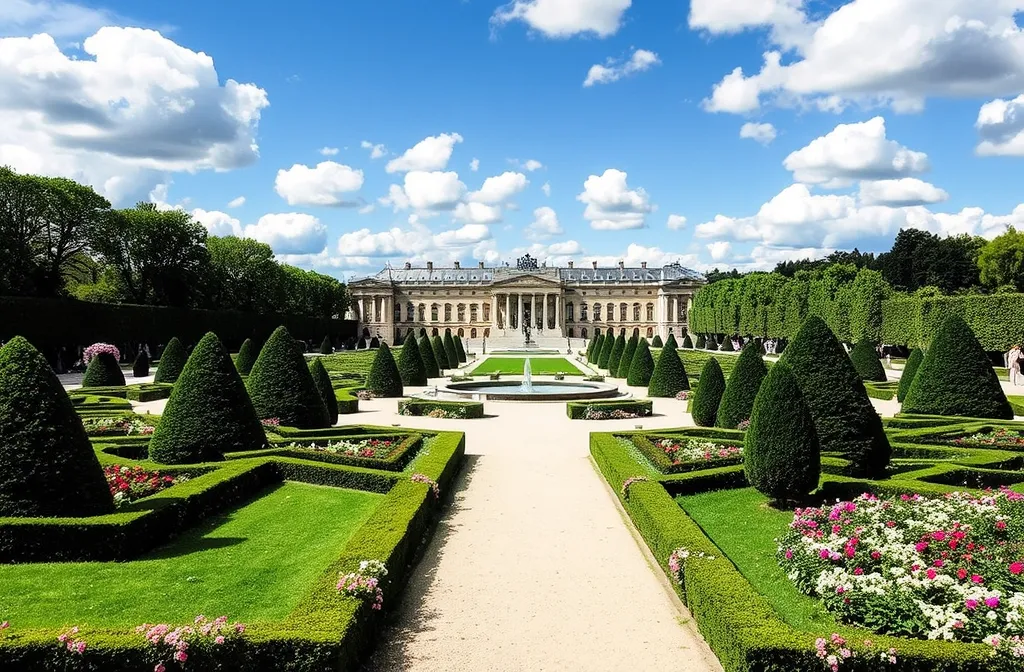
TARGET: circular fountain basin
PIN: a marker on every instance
(512, 390)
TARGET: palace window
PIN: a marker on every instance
(569, 312)
(487, 312)
(472, 332)
(623, 308)
(636, 312)
(487, 332)
(597, 312)
(571, 333)
(398, 312)
(650, 312)
(447, 312)
(472, 312)
(671, 309)
(433, 312)
(583, 312)
(461, 312)
(583, 332)
(650, 332)
(410, 313)
(610, 313)
(460, 332)
(597, 331)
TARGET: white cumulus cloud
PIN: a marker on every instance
(676, 222)
(903, 192)
(325, 184)
(290, 233)
(611, 204)
(544, 225)
(237, 202)
(614, 70)
(762, 133)
(500, 188)
(429, 154)
(1001, 127)
(564, 18)
(376, 150)
(329, 151)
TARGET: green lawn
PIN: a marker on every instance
(351, 361)
(694, 361)
(513, 366)
(745, 528)
(252, 564)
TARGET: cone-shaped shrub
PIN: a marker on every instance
(865, 360)
(410, 363)
(103, 370)
(781, 453)
(687, 342)
(701, 341)
(427, 357)
(361, 343)
(281, 386)
(384, 379)
(744, 382)
(322, 380)
(47, 466)
(325, 346)
(669, 377)
(209, 412)
(671, 339)
(627, 356)
(956, 378)
(656, 342)
(459, 349)
(172, 361)
(606, 351)
(727, 345)
(140, 369)
(618, 347)
(374, 343)
(246, 357)
(909, 371)
(642, 366)
(708, 395)
(590, 347)
(595, 353)
(450, 350)
(845, 420)
(440, 355)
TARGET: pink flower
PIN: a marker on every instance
(931, 574)
(977, 579)
(971, 605)
(991, 602)
(789, 555)
(219, 639)
(180, 656)
(1015, 569)
(159, 668)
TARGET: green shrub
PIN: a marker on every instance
(865, 360)
(781, 453)
(708, 395)
(618, 346)
(656, 341)
(604, 409)
(687, 343)
(626, 360)
(384, 379)
(450, 350)
(440, 354)
(669, 377)
(590, 347)
(671, 339)
(459, 349)
(140, 369)
(956, 378)
(909, 371)
(246, 357)
(172, 361)
(607, 345)
(744, 382)
(701, 342)
(361, 343)
(281, 386)
(844, 418)
(457, 409)
(410, 364)
(326, 348)
(322, 380)
(427, 356)
(47, 465)
(727, 345)
(374, 343)
(595, 352)
(209, 412)
(103, 371)
(642, 367)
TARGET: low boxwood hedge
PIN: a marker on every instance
(577, 410)
(460, 409)
(407, 448)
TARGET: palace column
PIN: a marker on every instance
(505, 321)
(494, 311)
(559, 318)
(519, 311)
(363, 312)
(545, 311)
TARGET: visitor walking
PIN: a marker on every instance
(1013, 363)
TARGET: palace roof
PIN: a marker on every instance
(569, 276)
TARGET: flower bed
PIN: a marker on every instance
(454, 410)
(119, 425)
(999, 438)
(609, 410)
(368, 448)
(98, 349)
(674, 455)
(696, 450)
(130, 484)
(947, 567)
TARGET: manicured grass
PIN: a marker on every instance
(252, 564)
(352, 361)
(694, 361)
(744, 527)
(513, 366)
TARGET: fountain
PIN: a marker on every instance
(527, 385)
(528, 390)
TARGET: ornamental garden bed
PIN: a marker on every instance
(539, 366)
(456, 410)
(685, 451)
(609, 409)
(141, 392)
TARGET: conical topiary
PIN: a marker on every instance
(590, 348)
(140, 369)
(450, 350)
(702, 342)
(671, 339)
(410, 363)
(744, 382)
(606, 351)
(708, 395)
(642, 366)
(865, 360)
(459, 349)
(48, 468)
(909, 371)
(618, 346)
(281, 386)
(374, 343)
(781, 452)
(246, 357)
(627, 356)
(727, 345)
(956, 378)
(361, 343)
(326, 347)
(172, 361)
(325, 388)
(440, 354)
(656, 342)
(687, 343)
(209, 412)
(845, 420)
(427, 356)
(595, 353)
(103, 371)
(669, 377)
(384, 379)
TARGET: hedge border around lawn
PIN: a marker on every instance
(141, 392)
(325, 630)
(643, 408)
(405, 452)
(420, 407)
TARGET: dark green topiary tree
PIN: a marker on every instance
(172, 361)
(450, 350)
(845, 420)
(103, 370)
(384, 379)
(642, 366)
(246, 357)
(909, 371)
(209, 412)
(627, 356)
(410, 363)
(590, 347)
(727, 345)
(656, 342)
(744, 382)
(459, 349)
(374, 343)
(671, 339)
(440, 354)
(427, 356)
(618, 347)
(702, 342)
(595, 352)
(361, 343)
(956, 378)
(140, 369)
(708, 395)
(669, 377)
(687, 343)
(325, 346)
(48, 468)
(865, 360)
(606, 351)
(322, 380)
(781, 452)
(281, 386)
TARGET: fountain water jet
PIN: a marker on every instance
(527, 385)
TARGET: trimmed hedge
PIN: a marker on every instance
(640, 407)
(594, 356)
(708, 395)
(325, 388)
(209, 412)
(607, 345)
(727, 345)
(669, 377)
(427, 355)
(403, 453)
(103, 371)
(281, 386)
(246, 357)
(656, 341)
(410, 364)
(909, 371)
(955, 378)
(172, 361)
(671, 339)
(997, 320)
(701, 342)
(47, 465)
(440, 354)
(642, 367)
(628, 352)
(744, 382)
(618, 347)
(326, 347)
(464, 409)
(450, 350)
(459, 349)
(384, 379)
(865, 361)
(140, 369)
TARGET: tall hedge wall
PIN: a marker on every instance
(997, 320)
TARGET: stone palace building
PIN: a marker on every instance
(498, 303)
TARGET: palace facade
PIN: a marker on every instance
(500, 303)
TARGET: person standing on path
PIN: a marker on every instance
(1013, 363)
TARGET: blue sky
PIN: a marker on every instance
(875, 115)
